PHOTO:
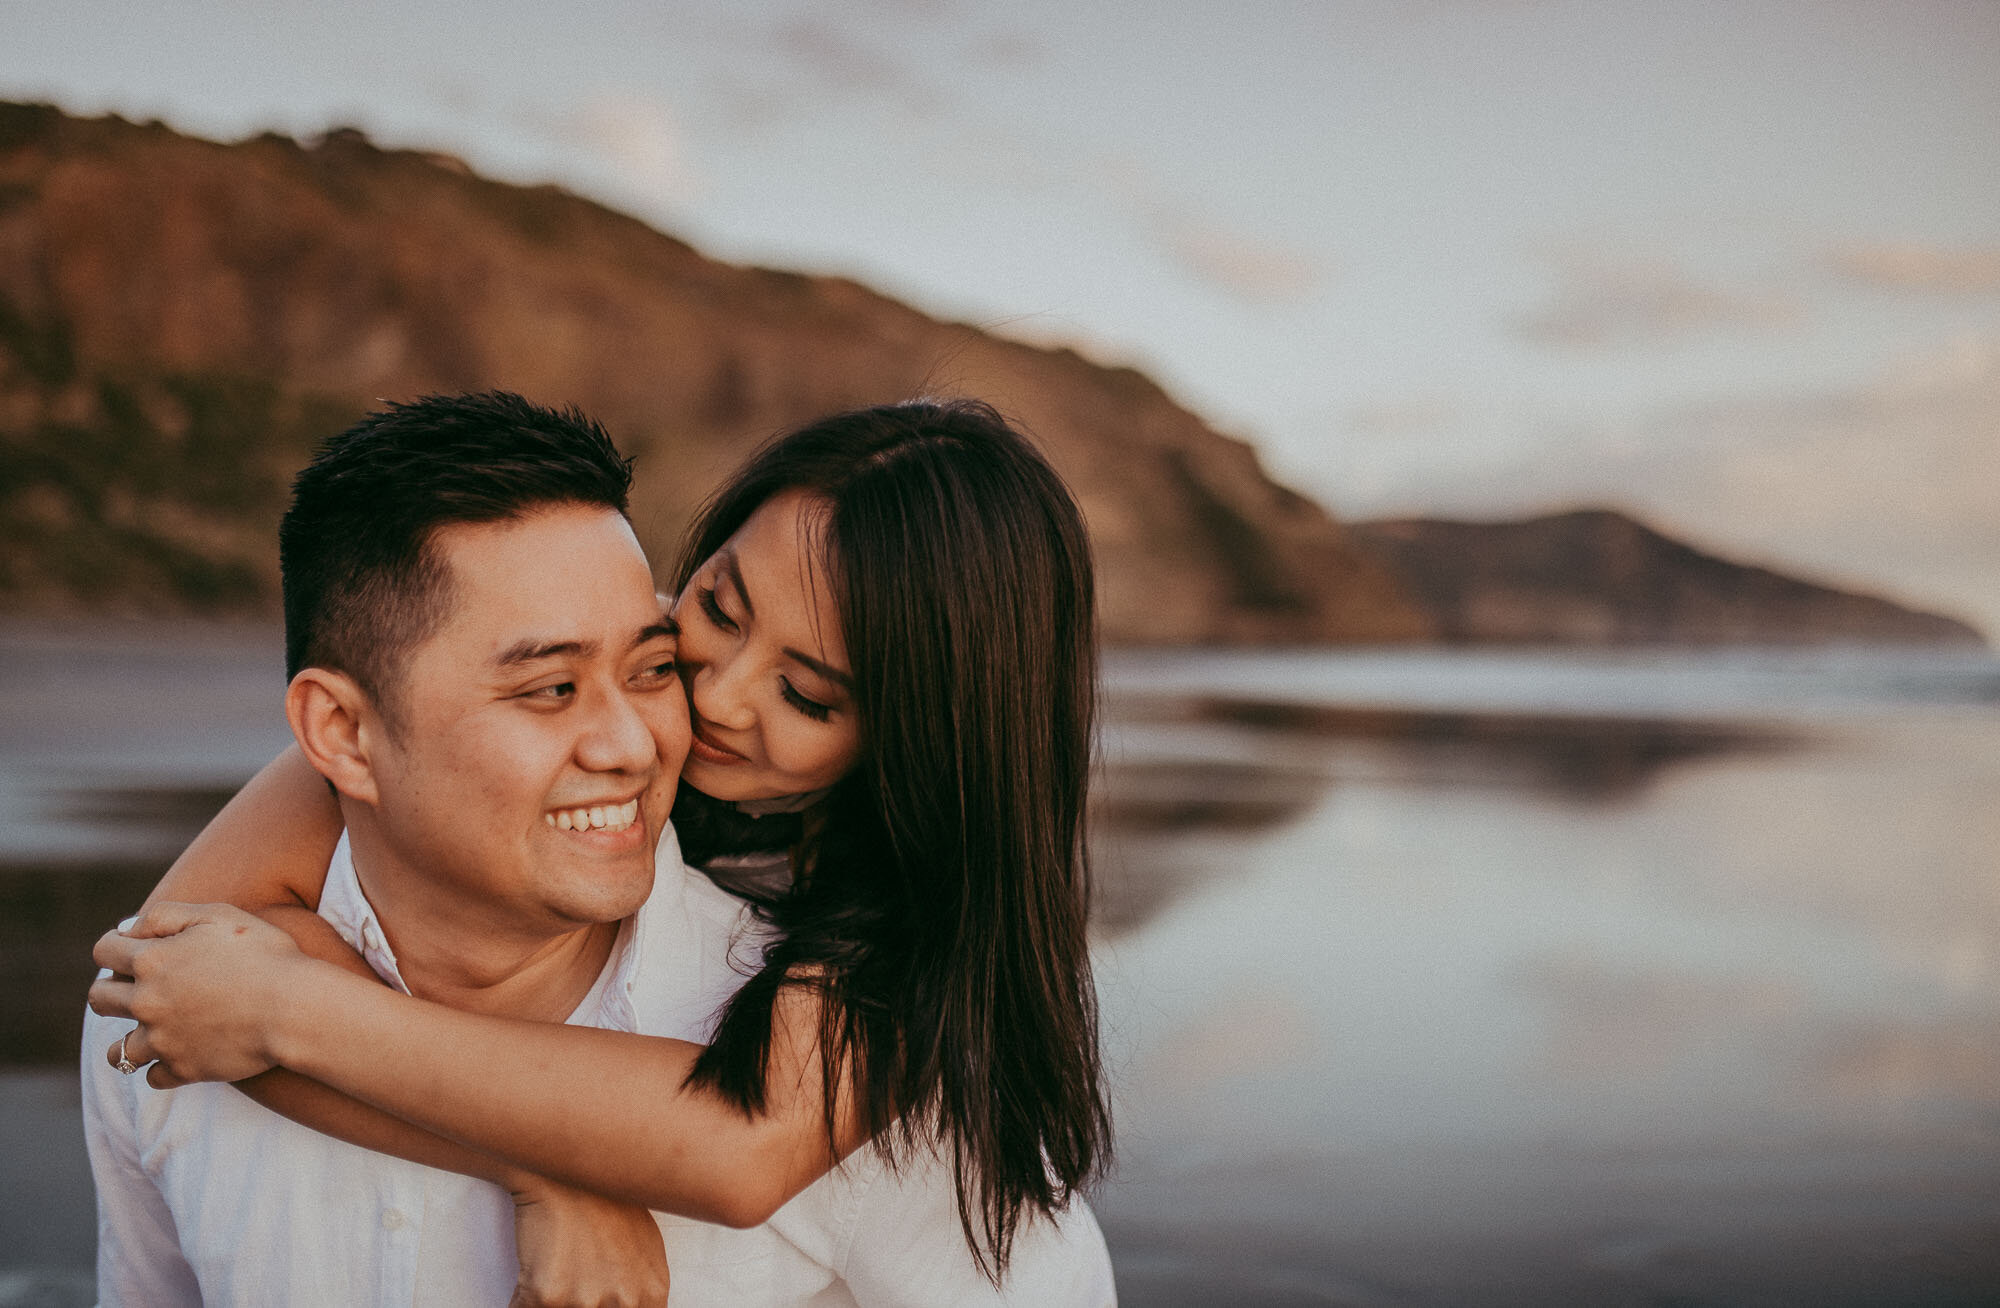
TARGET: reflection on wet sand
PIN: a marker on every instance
(1695, 1006)
(1147, 811)
(1948, 1063)
(1543, 1226)
(1557, 980)
(50, 915)
(1163, 796)
(165, 817)
(1288, 757)
(1610, 1022)
(1583, 758)
(51, 910)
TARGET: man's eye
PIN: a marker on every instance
(659, 671)
(560, 691)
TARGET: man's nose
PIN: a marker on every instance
(617, 738)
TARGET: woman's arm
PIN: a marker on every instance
(604, 1111)
(267, 852)
(331, 1113)
(574, 1247)
(269, 845)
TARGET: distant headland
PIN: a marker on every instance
(181, 320)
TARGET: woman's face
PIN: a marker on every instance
(770, 694)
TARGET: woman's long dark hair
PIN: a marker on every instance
(941, 900)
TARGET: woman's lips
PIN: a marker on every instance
(709, 751)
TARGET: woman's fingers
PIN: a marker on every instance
(196, 989)
(160, 1078)
(111, 996)
(135, 1050)
(133, 1047)
(168, 918)
(115, 950)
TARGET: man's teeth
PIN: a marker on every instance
(605, 817)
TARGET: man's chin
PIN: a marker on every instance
(593, 897)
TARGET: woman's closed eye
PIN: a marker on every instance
(705, 597)
(812, 708)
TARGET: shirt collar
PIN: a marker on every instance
(342, 903)
(346, 908)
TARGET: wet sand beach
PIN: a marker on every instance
(1426, 979)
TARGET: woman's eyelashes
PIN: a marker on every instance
(706, 600)
(812, 708)
(705, 597)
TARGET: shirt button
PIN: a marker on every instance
(371, 937)
(392, 1219)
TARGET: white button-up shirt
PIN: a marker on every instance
(206, 1198)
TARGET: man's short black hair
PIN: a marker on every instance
(363, 583)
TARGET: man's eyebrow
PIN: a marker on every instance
(727, 566)
(532, 650)
(827, 670)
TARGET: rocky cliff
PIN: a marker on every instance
(1597, 577)
(181, 319)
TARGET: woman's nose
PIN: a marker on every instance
(720, 693)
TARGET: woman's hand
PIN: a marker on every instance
(578, 1249)
(205, 982)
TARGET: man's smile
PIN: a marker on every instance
(594, 817)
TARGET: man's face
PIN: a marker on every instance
(541, 731)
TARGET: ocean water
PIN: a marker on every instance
(1425, 977)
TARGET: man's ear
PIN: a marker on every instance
(338, 729)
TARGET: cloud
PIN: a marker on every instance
(1606, 302)
(844, 66)
(632, 137)
(1242, 266)
(635, 134)
(1913, 266)
(798, 69)
(1247, 267)
(1005, 50)
(1414, 415)
(905, 10)
(1966, 360)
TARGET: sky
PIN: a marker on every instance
(1734, 266)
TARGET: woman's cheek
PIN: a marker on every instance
(824, 757)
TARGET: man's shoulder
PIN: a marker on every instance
(700, 944)
(684, 897)
(712, 904)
